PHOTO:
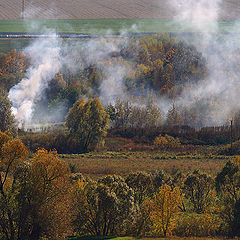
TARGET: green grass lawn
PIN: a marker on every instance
(100, 26)
(92, 26)
(7, 45)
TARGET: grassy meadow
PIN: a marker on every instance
(102, 26)
(93, 26)
(125, 157)
(97, 165)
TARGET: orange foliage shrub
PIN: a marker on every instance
(166, 142)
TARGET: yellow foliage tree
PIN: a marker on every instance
(12, 154)
(164, 207)
(88, 123)
(34, 193)
(49, 191)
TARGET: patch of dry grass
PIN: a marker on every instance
(122, 163)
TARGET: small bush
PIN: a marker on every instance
(166, 142)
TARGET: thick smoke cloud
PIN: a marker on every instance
(45, 62)
(49, 55)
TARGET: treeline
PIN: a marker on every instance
(88, 123)
(41, 198)
(65, 143)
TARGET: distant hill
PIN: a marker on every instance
(97, 9)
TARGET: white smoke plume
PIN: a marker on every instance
(201, 15)
(49, 55)
(219, 92)
(112, 88)
(45, 62)
(99, 52)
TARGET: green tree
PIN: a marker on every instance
(88, 123)
(141, 183)
(228, 189)
(198, 188)
(7, 121)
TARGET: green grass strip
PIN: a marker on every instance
(103, 26)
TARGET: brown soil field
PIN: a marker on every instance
(100, 9)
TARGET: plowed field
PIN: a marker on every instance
(99, 9)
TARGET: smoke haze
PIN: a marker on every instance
(48, 56)
(215, 97)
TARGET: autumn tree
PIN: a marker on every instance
(166, 142)
(88, 122)
(173, 116)
(164, 62)
(104, 207)
(164, 207)
(55, 86)
(145, 185)
(120, 113)
(12, 154)
(43, 197)
(126, 114)
(154, 115)
(7, 121)
(13, 66)
(33, 193)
